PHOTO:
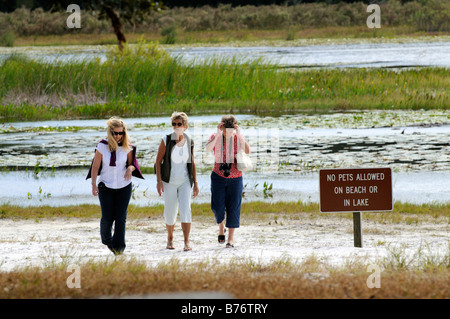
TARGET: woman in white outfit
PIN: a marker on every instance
(175, 177)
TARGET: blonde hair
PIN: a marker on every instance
(180, 116)
(115, 122)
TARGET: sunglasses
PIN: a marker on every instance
(175, 124)
(118, 133)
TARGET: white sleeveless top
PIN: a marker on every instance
(113, 176)
(178, 166)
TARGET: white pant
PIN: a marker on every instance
(177, 196)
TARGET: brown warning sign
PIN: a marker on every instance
(355, 190)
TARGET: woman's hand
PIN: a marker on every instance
(220, 126)
(238, 129)
(129, 173)
(94, 190)
(195, 191)
(160, 188)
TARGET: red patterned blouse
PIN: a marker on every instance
(228, 156)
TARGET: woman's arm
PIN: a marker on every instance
(242, 140)
(194, 175)
(210, 145)
(130, 167)
(95, 166)
(247, 147)
(159, 159)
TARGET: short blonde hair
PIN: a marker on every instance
(115, 122)
(180, 116)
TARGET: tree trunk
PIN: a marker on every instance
(117, 25)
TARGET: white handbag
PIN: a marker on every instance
(244, 163)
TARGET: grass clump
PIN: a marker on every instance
(279, 279)
(402, 213)
(7, 39)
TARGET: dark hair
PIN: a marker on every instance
(229, 121)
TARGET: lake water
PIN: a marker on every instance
(334, 56)
(287, 150)
(69, 187)
(353, 55)
(53, 156)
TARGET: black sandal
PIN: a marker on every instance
(229, 245)
(221, 239)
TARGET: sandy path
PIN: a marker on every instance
(48, 242)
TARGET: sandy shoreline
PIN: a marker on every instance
(52, 242)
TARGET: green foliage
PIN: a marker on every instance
(146, 16)
(142, 52)
(7, 39)
(169, 33)
(144, 79)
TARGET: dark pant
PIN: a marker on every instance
(226, 195)
(114, 205)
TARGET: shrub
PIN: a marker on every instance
(7, 39)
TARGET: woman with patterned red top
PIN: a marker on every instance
(226, 179)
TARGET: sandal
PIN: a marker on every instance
(170, 245)
(187, 247)
(229, 245)
(221, 238)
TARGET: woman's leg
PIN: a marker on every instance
(184, 204)
(170, 211)
(231, 235)
(186, 227)
(170, 229)
(233, 200)
(107, 219)
(222, 228)
(218, 187)
(122, 199)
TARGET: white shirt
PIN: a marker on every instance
(178, 166)
(113, 176)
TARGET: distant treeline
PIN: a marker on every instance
(216, 3)
(46, 5)
(419, 15)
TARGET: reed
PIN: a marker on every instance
(146, 81)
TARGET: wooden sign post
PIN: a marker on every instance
(356, 190)
(357, 230)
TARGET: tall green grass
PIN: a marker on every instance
(144, 80)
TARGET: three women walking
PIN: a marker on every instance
(115, 163)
